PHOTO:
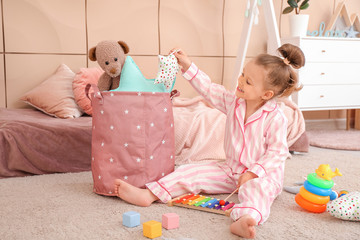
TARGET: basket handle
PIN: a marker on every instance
(174, 93)
(97, 93)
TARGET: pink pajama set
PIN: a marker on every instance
(259, 146)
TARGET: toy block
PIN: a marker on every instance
(170, 220)
(152, 229)
(131, 219)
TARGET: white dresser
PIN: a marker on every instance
(331, 76)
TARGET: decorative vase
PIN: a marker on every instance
(298, 25)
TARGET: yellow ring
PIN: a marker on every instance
(313, 197)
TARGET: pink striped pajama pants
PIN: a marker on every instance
(255, 196)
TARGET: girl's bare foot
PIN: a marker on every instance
(244, 227)
(134, 195)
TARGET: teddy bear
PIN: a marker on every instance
(110, 55)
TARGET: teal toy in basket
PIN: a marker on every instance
(132, 79)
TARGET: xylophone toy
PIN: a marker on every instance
(203, 203)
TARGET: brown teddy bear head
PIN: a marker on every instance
(110, 55)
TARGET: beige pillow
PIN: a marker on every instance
(54, 96)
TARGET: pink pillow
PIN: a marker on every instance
(54, 96)
(82, 78)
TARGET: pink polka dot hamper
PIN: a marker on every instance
(132, 137)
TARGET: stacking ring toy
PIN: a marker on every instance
(319, 182)
(316, 190)
(312, 207)
(312, 197)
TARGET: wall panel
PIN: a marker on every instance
(233, 22)
(41, 34)
(195, 26)
(44, 26)
(2, 82)
(26, 71)
(135, 22)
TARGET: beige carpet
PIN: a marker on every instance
(62, 206)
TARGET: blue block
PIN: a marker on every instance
(131, 219)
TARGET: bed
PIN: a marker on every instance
(32, 142)
(57, 139)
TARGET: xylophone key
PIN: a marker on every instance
(184, 198)
(193, 202)
(205, 204)
(230, 205)
(213, 204)
(219, 206)
(202, 201)
(190, 199)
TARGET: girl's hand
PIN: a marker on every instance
(246, 177)
(183, 60)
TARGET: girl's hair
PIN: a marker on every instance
(281, 76)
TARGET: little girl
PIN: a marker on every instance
(255, 141)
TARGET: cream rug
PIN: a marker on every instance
(62, 206)
(335, 139)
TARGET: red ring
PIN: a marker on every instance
(312, 207)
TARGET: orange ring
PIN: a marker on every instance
(313, 197)
(312, 207)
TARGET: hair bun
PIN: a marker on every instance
(295, 57)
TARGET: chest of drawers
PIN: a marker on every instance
(331, 76)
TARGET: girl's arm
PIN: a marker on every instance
(216, 94)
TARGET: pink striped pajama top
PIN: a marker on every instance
(259, 146)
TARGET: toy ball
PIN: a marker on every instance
(333, 195)
(343, 192)
(222, 202)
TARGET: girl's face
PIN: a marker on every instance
(251, 83)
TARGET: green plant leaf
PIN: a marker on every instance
(306, 2)
(288, 10)
(304, 6)
(292, 3)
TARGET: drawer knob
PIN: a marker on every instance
(323, 51)
(321, 96)
(322, 73)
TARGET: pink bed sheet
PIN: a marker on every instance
(200, 128)
(32, 142)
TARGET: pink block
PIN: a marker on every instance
(170, 220)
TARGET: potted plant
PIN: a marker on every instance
(298, 5)
(298, 22)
